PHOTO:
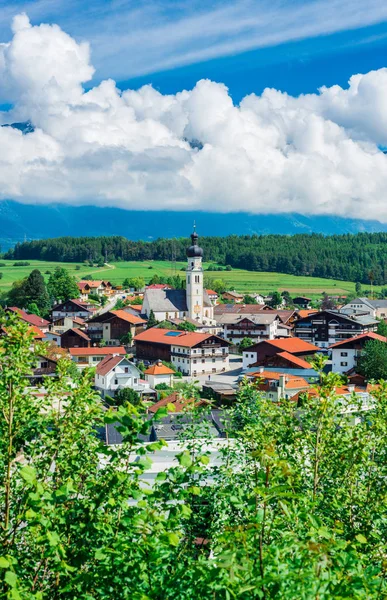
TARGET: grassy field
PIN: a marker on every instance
(11, 273)
(238, 279)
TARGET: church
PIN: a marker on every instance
(192, 303)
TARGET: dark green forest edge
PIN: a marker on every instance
(361, 257)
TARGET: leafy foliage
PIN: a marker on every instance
(62, 286)
(373, 361)
(293, 507)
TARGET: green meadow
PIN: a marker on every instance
(238, 279)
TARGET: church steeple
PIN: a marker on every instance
(194, 279)
(194, 249)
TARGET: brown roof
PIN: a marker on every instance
(97, 351)
(108, 363)
(79, 303)
(81, 334)
(125, 316)
(306, 312)
(38, 334)
(188, 339)
(29, 317)
(159, 369)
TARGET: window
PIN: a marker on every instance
(343, 364)
(343, 353)
(203, 360)
(194, 361)
(126, 369)
(188, 281)
(214, 360)
(116, 382)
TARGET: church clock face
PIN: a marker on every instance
(196, 309)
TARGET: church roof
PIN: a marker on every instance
(170, 300)
(166, 300)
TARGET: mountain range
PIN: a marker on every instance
(19, 222)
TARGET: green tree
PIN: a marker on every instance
(126, 283)
(31, 290)
(33, 308)
(245, 343)
(152, 322)
(373, 361)
(127, 395)
(187, 326)
(62, 286)
(247, 299)
(382, 328)
(276, 299)
(358, 289)
(219, 286)
(127, 339)
(119, 304)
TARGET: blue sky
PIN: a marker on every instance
(295, 46)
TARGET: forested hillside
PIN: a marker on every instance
(360, 257)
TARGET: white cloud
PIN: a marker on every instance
(315, 154)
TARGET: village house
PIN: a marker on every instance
(257, 326)
(65, 323)
(278, 386)
(90, 357)
(345, 354)
(193, 302)
(302, 302)
(113, 325)
(329, 327)
(159, 373)
(71, 308)
(376, 309)
(276, 353)
(116, 372)
(232, 296)
(100, 288)
(213, 296)
(191, 353)
(74, 338)
(30, 318)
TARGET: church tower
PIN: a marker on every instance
(194, 279)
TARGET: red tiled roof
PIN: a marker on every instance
(158, 286)
(300, 362)
(211, 293)
(125, 316)
(170, 337)
(291, 381)
(370, 335)
(306, 312)
(293, 345)
(38, 334)
(107, 364)
(136, 307)
(29, 317)
(97, 351)
(159, 369)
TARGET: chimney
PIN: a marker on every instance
(261, 369)
(282, 385)
(351, 388)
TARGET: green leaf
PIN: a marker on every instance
(171, 407)
(4, 563)
(184, 459)
(28, 474)
(173, 539)
(204, 459)
(10, 578)
(361, 539)
(99, 554)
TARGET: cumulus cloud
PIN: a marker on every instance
(317, 153)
